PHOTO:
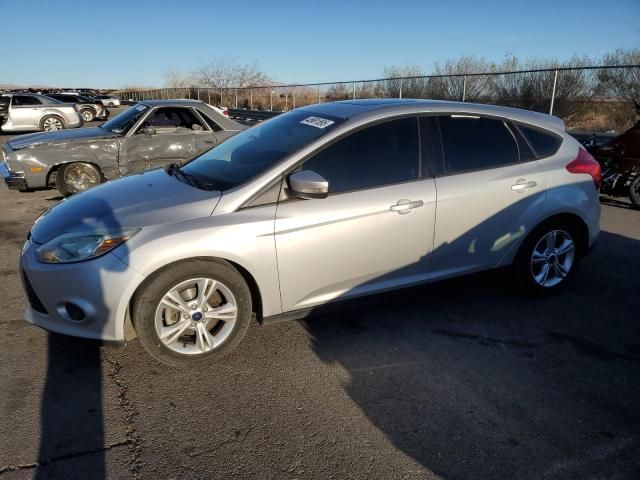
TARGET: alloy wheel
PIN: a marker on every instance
(51, 124)
(552, 258)
(196, 316)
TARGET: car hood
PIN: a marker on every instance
(150, 198)
(60, 136)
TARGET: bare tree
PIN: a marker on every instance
(177, 79)
(622, 83)
(225, 74)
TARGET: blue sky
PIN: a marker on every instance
(117, 43)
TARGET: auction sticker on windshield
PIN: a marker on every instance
(317, 122)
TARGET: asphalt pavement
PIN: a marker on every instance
(464, 379)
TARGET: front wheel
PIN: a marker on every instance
(193, 311)
(77, 177)
(547, 258)
(634, 192)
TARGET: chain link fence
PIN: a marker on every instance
(586, 98)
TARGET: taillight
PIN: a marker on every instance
(585, 163)
(225, 112)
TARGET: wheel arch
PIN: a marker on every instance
(572, 219)
(54, 169)
(256, 295)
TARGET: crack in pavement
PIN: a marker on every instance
(66, 456)
(130, 412)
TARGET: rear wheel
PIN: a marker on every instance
(634, 192)
(51, 123)
(547, 258)
(87, 114)
(194, 311)
(77, 177)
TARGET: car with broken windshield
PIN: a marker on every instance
(148, 135)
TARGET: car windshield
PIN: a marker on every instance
(255, 150)
(123, 122)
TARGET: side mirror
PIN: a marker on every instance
(308, 184)
(149, 131)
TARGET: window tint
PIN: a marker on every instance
(378, 155)
(173, 117)
(545, 144)
(19, 100)
(476, 143)
(213, 125)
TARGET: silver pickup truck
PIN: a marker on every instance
(29, 112)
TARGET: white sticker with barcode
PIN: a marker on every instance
(317, 122)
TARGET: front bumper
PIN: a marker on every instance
(15, 181)
(100, 287)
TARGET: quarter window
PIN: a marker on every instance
(213, 125)
(476, 143)
(377, 155)
(545, 144)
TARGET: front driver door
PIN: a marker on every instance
(375, 229)
(172, 139)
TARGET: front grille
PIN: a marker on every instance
(34, 301)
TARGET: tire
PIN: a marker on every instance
(183, 344)
(559, 263)
(87, 115)
(111, 104)
(634, 192)
(52, 123)
(77, 177)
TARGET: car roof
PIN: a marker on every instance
(352, 109)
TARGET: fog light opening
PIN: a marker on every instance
(74, 312)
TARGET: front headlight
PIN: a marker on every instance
(75, 247)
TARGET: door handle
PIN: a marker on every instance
(405, 206)
(521, 185)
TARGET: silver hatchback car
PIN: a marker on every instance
(324, 203)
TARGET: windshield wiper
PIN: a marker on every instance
(173, 169)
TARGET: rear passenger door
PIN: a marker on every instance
(490, 192)
(25, 111)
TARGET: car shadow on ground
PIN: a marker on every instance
(71, 412)
(474, 380)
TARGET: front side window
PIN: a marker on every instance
(381, 154)
(476, 143)
(20, 100)
(172, 118)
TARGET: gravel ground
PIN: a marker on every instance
(464, 379)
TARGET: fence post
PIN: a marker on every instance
(198, 94)
(354, 90)
(318, 94)
(464, 88)
(251, 99)
(400, 96)
(209, 96)
(286, 101)
(236, 98)
(270, 100)
(293, 98)
(553, 92)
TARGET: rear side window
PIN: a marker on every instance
(19, 100)
(545, 144)
(476, 143)
(213, 125)
(377, 155)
